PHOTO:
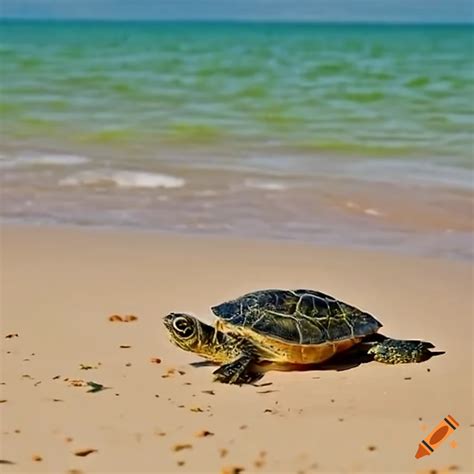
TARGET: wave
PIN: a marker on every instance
(29, 159)
(122, 179)
(267, 185)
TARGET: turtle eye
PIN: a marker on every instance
(183, 327)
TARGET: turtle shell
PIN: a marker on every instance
(301, 316)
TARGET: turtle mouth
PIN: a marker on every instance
(168, 320)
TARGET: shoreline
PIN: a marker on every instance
(125, 231)
(60, 285)
(348, 202)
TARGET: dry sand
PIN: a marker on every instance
(59, 286)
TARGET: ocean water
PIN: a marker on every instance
(345, 134)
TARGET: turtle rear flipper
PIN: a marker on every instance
(394, 351)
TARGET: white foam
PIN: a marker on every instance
(59, 159)
(28, 159)
(267, 185)
(206, 193)
(122, 179)
(372, 212)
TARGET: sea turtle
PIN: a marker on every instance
(285, 329)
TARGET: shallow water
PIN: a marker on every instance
(343, 134)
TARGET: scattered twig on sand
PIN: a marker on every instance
(6, 461)
(116, 318)
(88, 367)
(209, 392)
(232, 470)
(85, 452)
(129, 318)
(96, 387)
(204, 434)
(180, 447)
(9, 336)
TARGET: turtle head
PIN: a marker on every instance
(192, 335)
(183, 330)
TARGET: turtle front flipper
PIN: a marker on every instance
(393, 351)
(237, 372)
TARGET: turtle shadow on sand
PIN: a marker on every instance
(347, 360)
(352, 359)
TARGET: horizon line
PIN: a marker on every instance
(246, 20)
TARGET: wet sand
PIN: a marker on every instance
(61, 285)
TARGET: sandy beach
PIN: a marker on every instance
(160, 414)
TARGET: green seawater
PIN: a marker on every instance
(343, 90)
